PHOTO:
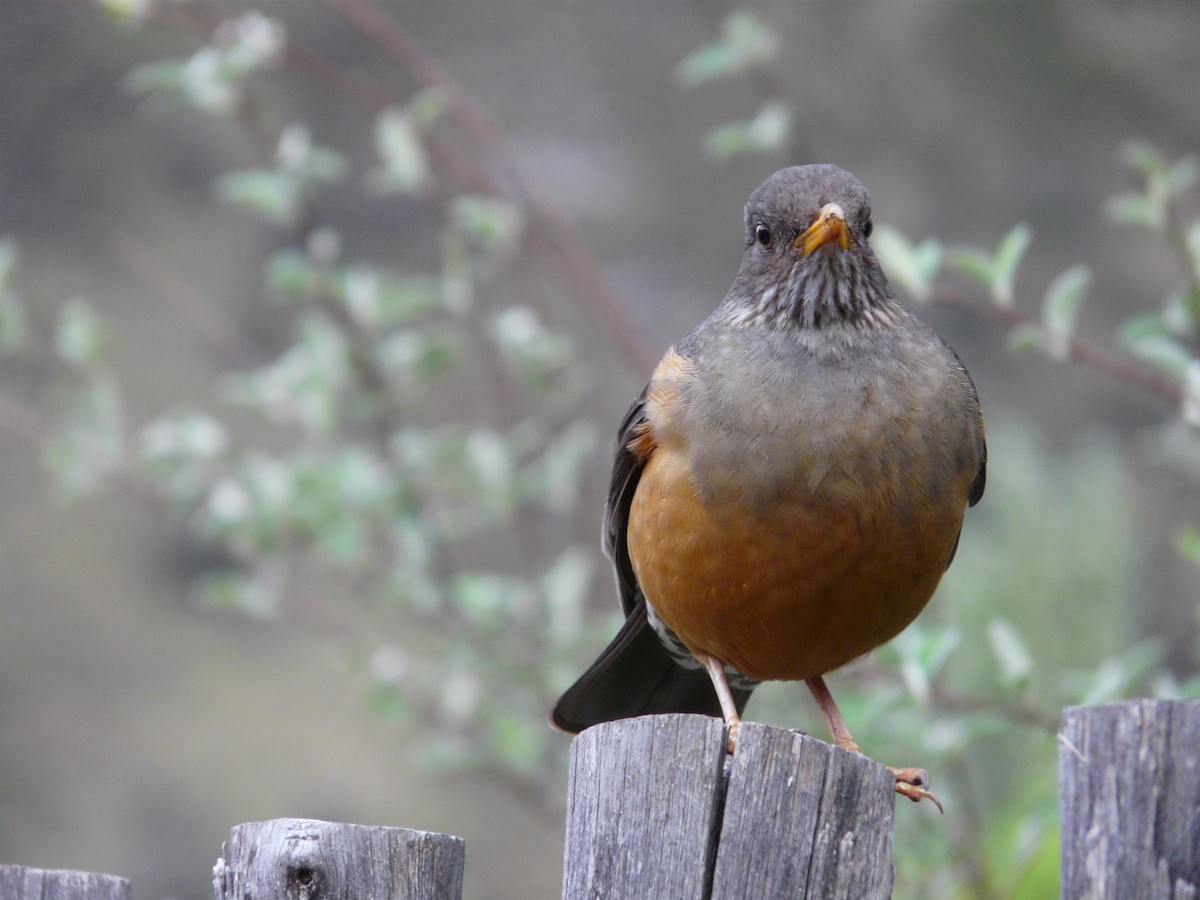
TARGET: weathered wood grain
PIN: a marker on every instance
(804, 819)
(642, 808)
(649, 814)
(1130, 800)
(23, 883)
(303, 858)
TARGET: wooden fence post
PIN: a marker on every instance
(642, 807)
(651, 814)
(302, 858)
(23, 883)
(804, 819)
(1130, 800)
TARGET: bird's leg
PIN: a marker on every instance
(833, 715)
(716, 671)
(910, 782)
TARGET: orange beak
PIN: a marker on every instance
(829, 226)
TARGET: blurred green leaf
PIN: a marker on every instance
(913, 267)
(212, 79)
(273, 195)
(337, 494)
(306, 161)
(535, 353)
(518, 741)
(248, 42)
(1189, 410)
(127, 10)
(490, 601)
(1181, 177)
(257, 594)
(1187, 542)
(767, 131)
(1163, 352)
(445, 753)
(1008, 257)
(293, 274)
(972, 262)
(491, 224)
(80, 337)
(14, 326)
(997, 272)
(923, 652)
(428, 105)
(1010, 652)
(166, 76)
(1141, 326)
(1023, 338)
(565, 588)
(178, 451)
(89, 444)
(491, 463)
(381, 300)
(8, 261)
(403, 166)
(415, 356)
(1180, 315)
(745, 42)
(1060, 310)
(1140, 210)
(246, 511)
(1114, 677)
(551, 478)
(388, 702)
(1144, 157)
(305, 385)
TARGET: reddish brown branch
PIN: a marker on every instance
(1093, 355)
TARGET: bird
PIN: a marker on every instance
(790, 485)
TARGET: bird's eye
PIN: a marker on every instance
(762, 234)
(868, 228)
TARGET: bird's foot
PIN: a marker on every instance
(912, 783)
(731, 741)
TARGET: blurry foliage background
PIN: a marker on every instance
(316, 319)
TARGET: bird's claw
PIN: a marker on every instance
(731, 741)
(912, 784)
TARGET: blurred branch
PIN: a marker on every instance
(1089, 353)
(1021, 712)
(201, 310)
(593, 292)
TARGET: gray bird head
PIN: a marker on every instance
(807, 262)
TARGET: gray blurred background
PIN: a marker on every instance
(135, 726)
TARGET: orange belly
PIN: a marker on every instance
(793, 588)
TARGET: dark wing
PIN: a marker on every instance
(981, 476)
(980, 482)
(627, 472)
(635, 675)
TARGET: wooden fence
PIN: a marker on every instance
(657, 810)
